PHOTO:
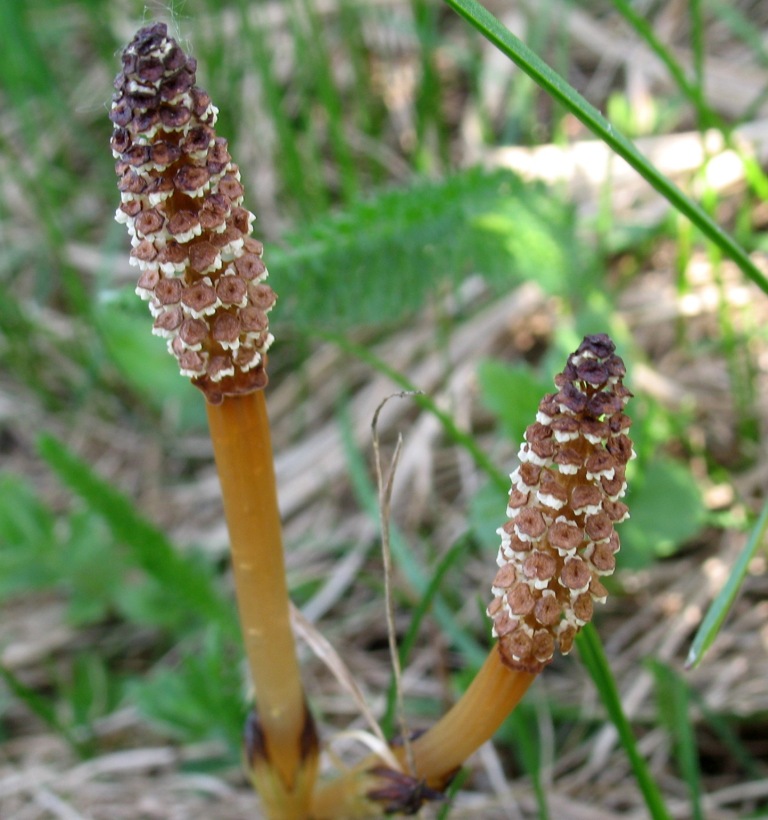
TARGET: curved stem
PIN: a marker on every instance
(474, 719)
(437, 754)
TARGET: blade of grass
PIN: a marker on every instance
(728, 735)
(456, 435)
(23, 359)
(417, 616)
(414, 573)
(692, 91)
(314, 46)
(742, 26)
(293, 171)
(454, 787)
(741, 368)
(722, 604)
(699, 47)
(721, 725)
(593, 656)
(302, 117)
(674, 707)
(524, 733)
(367, 119)
(28, 80)
(151, 549)
(429, 117)
(493, 30)
(44, 709)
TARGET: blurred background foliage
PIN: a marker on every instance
(374, 140)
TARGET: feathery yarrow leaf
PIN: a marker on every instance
(201, 270)
(381, 258)
(565, 499)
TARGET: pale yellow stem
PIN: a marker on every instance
(239, 429)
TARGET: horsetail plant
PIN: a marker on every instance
(202, 273)
(203, 276)
(557, 544)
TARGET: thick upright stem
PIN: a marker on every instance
(239, 429)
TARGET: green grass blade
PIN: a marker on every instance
(314, 46)
(25, 71)
(456, 435)
(417, 616)
(744, 28)
(644, 30)
(298, 176)
(733, 744)
(44, 709)
(493, 30)
(674, 703)
(149, 546)
(720, 607)
(417, 576)
(522, 729)
(593, 656)
(429, 117)
(454, 787)
(699, 47)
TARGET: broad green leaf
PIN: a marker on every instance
(512, 394)
(666, 509)
(144, 362)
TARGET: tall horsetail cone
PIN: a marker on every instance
(564, 503)
(201, 271)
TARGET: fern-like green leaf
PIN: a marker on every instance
(379, 259)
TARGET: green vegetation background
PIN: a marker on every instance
(367, 221)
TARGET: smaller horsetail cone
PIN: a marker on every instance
(564, 503)
(182, 200)
(556, 546)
